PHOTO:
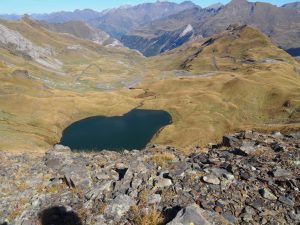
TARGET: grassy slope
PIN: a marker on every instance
(111, 61)
(33, 122)
(239, 95)
(246, 90)
(34, 112)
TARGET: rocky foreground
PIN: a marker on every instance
(251, 178)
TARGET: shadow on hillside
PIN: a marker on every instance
(59, 216)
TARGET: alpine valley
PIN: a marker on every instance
(203, 73)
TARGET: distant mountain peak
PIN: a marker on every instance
(26, 17)
(187, 3)
(292, 5)
(126, 6)
(237, 2)
(215, 6)
(235, 26)
(84, 10)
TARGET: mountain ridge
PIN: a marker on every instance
(280, 23)
(82, 30)
(163, 22)
(119, 21)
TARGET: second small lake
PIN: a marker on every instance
(133, 130)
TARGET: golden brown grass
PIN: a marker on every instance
(51, 114)
(32, 115)
(151, 217)
(22, 186)
(14, 214)
(102, 208)
(55, 188)
(40, 188)
(161, 159)
(144, 196)
(239, 95)
(203, 109)
(18, 209)
(23, 201)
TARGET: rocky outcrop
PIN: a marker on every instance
(278, 23)
(82, 30)
(162, 42)
(16, 42)
(167, 33)
(119, 21)
(249, 178)
(190, 215)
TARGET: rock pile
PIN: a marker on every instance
(249, 178)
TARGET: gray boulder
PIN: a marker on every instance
(211, 179)
(267, 194)
(192, 214)
(163, 182)
(119, 206)
(248, 147)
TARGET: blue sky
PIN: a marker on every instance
(41, 6)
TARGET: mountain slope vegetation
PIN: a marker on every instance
(237, 79)
(48, 79)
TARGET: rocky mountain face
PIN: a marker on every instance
(293, 5)
(168, 33)
(250, 177)
(279, 23)
(153, 28)
(50, 45)
(163, 42)
(119, 21)
(13, 40)
(82, 30)
(61, 17)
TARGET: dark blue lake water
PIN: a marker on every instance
(133, 130)
(294, 51)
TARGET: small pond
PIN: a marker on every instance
(133, 130)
